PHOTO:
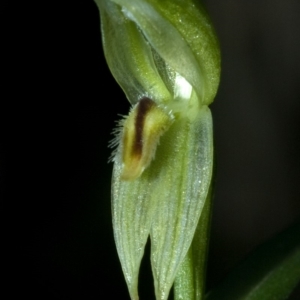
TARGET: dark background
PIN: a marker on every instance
(59, 104)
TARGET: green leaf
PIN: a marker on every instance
(269, 273)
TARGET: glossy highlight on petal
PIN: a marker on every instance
(146, 123)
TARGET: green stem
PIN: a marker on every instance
(190, 279)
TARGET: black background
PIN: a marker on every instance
(59, 104)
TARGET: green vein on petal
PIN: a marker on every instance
(133, 209)
(168, 196)
(182, 191)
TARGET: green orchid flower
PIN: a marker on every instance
(165, 56)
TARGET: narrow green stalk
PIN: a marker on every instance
(190, 280)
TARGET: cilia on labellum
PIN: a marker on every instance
(139, 134)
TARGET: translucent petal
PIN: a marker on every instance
(166, 199)
(181, 33)
(184, 188)
(133, 209)
(129, 55)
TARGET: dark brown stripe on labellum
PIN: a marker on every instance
(144, 106)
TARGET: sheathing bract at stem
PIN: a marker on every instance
(165, 56)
